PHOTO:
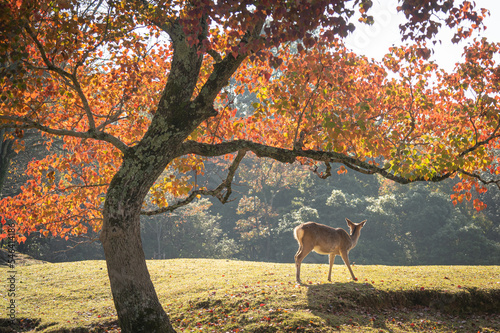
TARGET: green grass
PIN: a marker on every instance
(203, 295)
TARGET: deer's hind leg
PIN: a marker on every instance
(299, 256)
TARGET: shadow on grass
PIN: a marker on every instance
(28, 324)
(18, 325)
(357, 304)
(356, 295)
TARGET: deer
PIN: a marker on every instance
(324, 239)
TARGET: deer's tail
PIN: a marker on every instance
(298, 233)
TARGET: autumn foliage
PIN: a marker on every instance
(93, 79)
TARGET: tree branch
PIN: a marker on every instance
(296, 143)
(289, 156)
(493, 136)
(479, 178)
(323, 175)
(215, 55)
(217, 192)
(71, 76)
(22, 122)
(224, 69)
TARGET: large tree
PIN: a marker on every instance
(138, 90)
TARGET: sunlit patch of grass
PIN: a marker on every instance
(205, 295)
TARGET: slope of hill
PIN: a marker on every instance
(20, 259)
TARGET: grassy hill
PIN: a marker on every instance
(203, 295)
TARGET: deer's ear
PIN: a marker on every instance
(349, 222)
(362, 223)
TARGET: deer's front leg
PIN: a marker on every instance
(345, 257)
(332, 259)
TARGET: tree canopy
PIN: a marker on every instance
(94, 73)
(143, 92)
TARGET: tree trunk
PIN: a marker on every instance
(135, 298)
(136, 302)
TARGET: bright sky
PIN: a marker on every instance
(374, 41)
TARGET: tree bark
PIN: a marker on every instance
(135, 298)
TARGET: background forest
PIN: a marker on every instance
(413, 224)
